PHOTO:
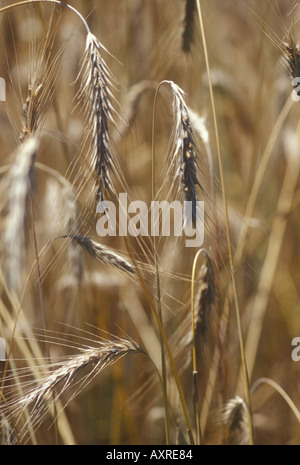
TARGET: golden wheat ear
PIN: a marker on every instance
(103, 254)
(76, 371)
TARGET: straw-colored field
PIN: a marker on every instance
(138, 338)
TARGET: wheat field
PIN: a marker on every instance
(138, 339)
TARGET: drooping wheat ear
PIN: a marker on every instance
(96, 98)
(76, 371)
(104, 254)
(16, 188)
(234, 418)
(184, 155)
(188, 31)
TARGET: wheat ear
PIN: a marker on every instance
(234, 418)
(17, 187)
(103, 254)
(96, 98)
(188, 31)
(184, 156)
(77, 370)
(292, 57)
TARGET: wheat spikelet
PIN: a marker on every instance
(96, 98)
